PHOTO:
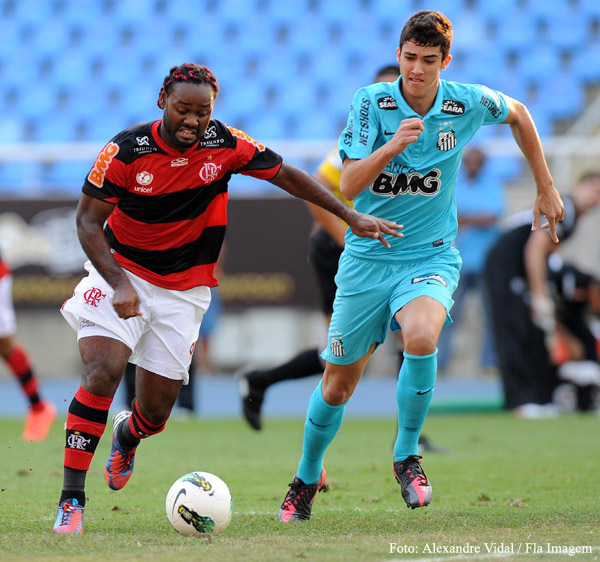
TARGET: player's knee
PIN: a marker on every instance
(155, 413)
(421, 342)
(336, 391)
(336, 396)
(100, 379)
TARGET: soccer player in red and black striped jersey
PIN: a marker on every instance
(151, 220)
(41, 412)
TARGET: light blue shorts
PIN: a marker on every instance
(370, 292)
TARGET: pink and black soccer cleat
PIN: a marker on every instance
(416, 489)
(297, 505)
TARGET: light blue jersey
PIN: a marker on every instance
(416, 189)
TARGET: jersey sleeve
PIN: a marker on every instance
(107, 179)
(362, 127)
(492, 105)
(254, 158)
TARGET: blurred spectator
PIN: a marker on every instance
(523, 312)
(41, 412)
(480, 204)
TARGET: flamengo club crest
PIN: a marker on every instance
(446, 140)
(93, 296)
(209, 172)
(77, 441)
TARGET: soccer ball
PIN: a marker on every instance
(199, 503)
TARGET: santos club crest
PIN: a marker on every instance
(446, 140)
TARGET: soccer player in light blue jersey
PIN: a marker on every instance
(401, 150)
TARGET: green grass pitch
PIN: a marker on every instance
(505, 489)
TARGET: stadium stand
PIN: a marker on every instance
(81, 70)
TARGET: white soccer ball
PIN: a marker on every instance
(199, 503)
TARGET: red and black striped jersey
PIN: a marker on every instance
(4, 269)
(170, 213)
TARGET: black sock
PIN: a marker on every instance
(125, 437)
(305, 364)
(74, 485)
(185, 399)
(129, 382)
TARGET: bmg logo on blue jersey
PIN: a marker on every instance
(391, 185)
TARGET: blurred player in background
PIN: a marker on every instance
(523, 312)
(480, 203)
(152, 219)
(210, 323)
(326, 245)
(401, 150)
(576, 348)
(41, 412)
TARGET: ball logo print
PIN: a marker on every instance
(200, 481)
(199, 503)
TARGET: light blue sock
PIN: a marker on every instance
(322, 424)
(413, 395)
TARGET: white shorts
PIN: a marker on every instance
(8, 323)
(162, 339)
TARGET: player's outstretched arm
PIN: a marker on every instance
(368, 226)
(548, 201)
(329, 222)
(301, 184)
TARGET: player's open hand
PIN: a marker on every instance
(368, 226)
(550, 204)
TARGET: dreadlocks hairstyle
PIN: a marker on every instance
(428, 28)
(188, 72)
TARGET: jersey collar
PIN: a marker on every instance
(162, 144)
(435, 108)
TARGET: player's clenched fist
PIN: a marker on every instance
(407, 133)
